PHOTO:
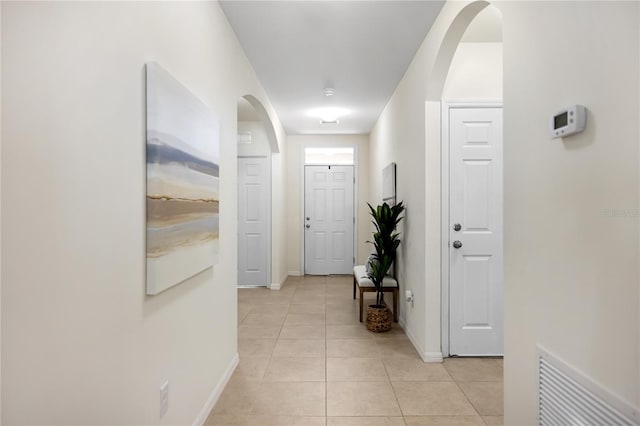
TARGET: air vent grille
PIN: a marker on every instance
(565, 401)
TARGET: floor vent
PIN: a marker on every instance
(567, 397)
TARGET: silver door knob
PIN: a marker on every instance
(308, 226)
(457, 244)
(457, 227)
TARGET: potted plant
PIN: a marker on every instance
(385, 242)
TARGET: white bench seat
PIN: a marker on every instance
(364, 284)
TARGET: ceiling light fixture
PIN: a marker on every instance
(336, 121)
(328, 115)
(329, 91)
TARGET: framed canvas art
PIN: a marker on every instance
(389, 184)
(183, 181)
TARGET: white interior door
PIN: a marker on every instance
(475, 231)
(253, 221)
(328, 220)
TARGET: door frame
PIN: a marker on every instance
(447, 105)
(269, 223)
(303, 195)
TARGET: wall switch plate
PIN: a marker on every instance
(164, 398)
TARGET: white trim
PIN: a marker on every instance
(355, 204)
(216, 392)
(428, 357)
(302, 192)
(294, 273)
(447, 105)
(432, 357)
(278, 285)
(302, 198)
(444, 228)
(270, 257)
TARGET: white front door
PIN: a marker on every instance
(328, 220)
(253, 221)
(475, 231)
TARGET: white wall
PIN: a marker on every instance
(571, 228)
(475, 73)
(81, 343)
(295, 185)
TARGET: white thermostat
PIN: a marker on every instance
(569, 121)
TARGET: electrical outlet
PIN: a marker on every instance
(164, 398)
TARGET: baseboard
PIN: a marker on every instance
(430, 357)
(294, 274)
(217, 391)
(278, 286)
(411, 337)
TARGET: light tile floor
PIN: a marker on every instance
(306, 360)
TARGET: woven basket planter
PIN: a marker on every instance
(379, 318)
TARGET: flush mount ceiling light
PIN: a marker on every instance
(328, 115)
(329, 91)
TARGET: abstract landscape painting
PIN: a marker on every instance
(183, 182)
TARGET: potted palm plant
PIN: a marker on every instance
(385, 242)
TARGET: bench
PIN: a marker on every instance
(364, 284)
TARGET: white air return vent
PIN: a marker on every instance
(567, 397)
(244, 137)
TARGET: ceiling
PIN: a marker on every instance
(359, 48)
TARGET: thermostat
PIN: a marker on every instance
(569, 121)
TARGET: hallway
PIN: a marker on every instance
(306, 360)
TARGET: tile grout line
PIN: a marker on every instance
(393, 389)
(468, 400)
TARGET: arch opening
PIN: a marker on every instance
(256, 144)
(476, 21)
(250, 107)
(467, 68)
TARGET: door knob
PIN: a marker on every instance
(457, 227)
(308, 226)
(457, 244)
(308, 218)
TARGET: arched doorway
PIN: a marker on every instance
(467, 75)
(256, 143)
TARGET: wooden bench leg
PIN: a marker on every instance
(354, 287)
(361, 292)
(395, 305)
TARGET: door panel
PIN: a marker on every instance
(253, 244)
(338, 208)
(329, 220)
(319, 247)
(477, 288)
(253, 222)
(475, 202)
(338, 241)
(478, 197)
